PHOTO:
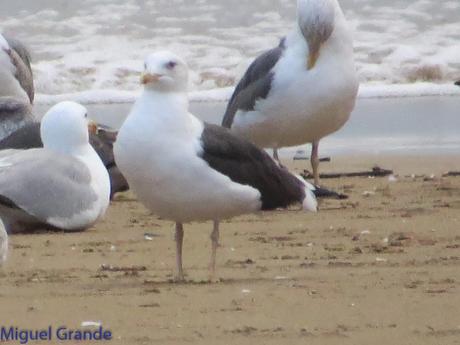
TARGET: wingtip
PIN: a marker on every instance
(310, 203)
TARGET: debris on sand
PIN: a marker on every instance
(132, 269)
(374, 172)
(91, 324)
(368, 193)
(452, 174)
(392, 179)
(301, 155)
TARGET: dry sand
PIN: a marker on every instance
(380, 268)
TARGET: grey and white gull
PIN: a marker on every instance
(63, 185)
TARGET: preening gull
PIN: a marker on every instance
(16, 86)
(63, 185)
(302, 90)
(28, 137)
(3, 243)
(185, 170)
(21, 60)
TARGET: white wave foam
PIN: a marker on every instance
(97, 45)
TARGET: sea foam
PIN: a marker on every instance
(100, 45)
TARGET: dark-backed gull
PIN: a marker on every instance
(302, 90)
(185, 170)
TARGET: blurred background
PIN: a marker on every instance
(100, 44)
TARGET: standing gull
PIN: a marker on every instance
(302, 90)
(185, 170)
(63, 185)
(16, 86)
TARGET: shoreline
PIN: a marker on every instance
(420, 125)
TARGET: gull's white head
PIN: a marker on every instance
(3, 243)
(165, 72)
(65, 127)
(316, 20)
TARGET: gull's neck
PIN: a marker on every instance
(177, 99)
(163, 106)
(79, 151)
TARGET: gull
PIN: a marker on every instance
(185, 170)
(302, 90)
(63, 185)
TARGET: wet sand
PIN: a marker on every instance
(379, 268)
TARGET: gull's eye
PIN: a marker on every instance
(171, 65)
(86, 115)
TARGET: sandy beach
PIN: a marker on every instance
(380, 267)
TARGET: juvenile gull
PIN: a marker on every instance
(302, 90)
(63, 185)
(185, 170)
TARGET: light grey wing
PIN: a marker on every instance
(20, 57)
(45, 184)
(255, 84)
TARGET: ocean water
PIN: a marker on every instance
(100, 44)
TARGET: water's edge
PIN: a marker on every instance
(413, 125)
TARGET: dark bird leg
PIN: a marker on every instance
(179, 240)
(215, 245)
(315, 161)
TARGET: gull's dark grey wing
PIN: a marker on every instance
(246, 164)
(21, 59)
(26, 137)
(102, 142)
(255, 84)
(14, 114)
